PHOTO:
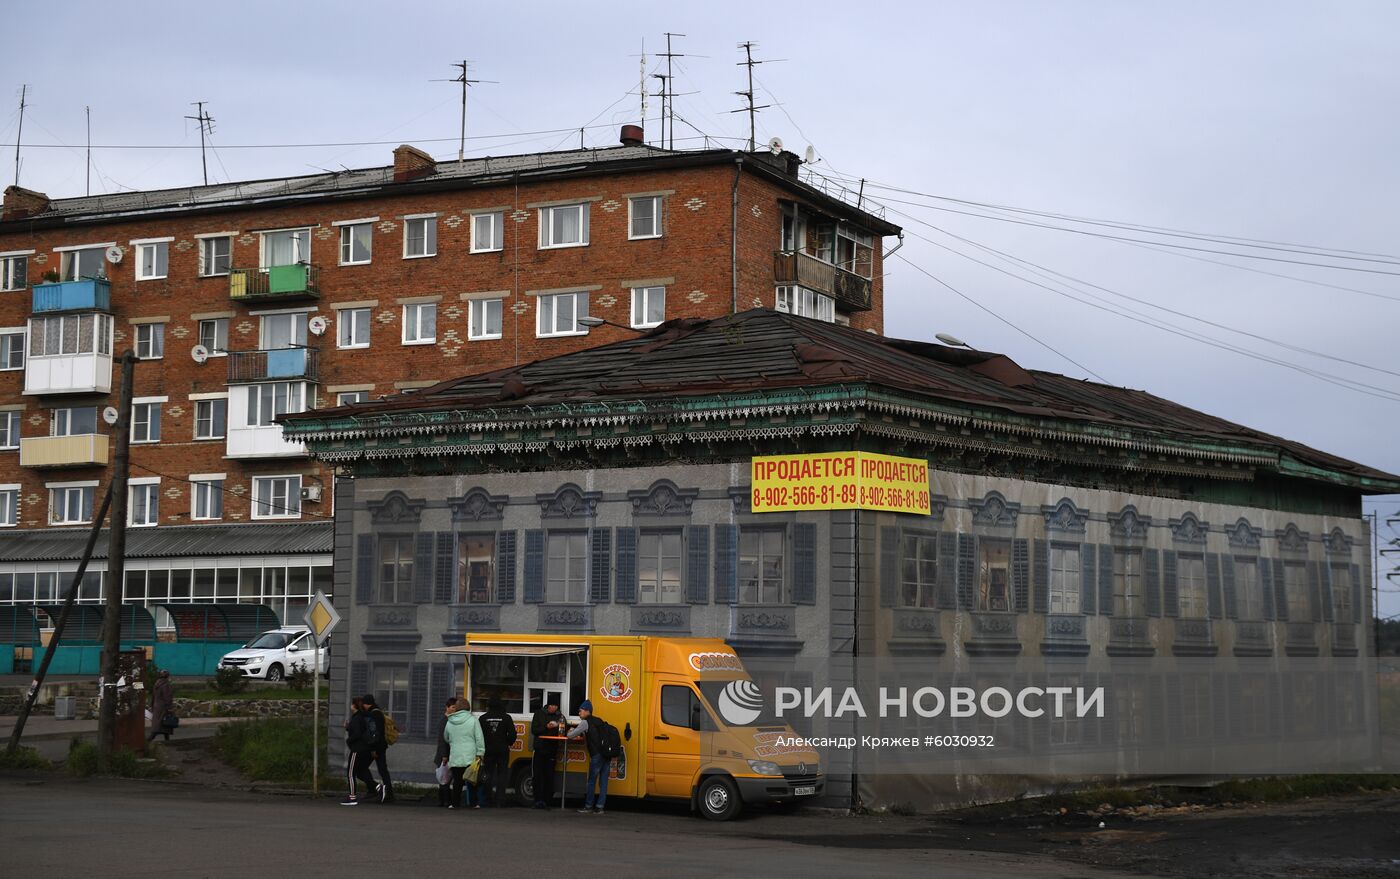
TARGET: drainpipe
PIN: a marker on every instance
(734, 238)
(897, 246)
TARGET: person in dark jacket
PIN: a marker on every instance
(163, 696)
(599, 765)
(381, 749)
(443, 751)
(499, 729)
(361, 734)
(546, 722)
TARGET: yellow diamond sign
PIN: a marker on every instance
(321, 616)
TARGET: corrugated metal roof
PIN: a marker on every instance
(180, 541)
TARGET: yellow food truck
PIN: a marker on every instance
(692, 721)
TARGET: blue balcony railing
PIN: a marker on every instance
(93, 294)
(300, 364)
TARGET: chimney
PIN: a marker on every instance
(410, 163)
(20, 203)
(632, 135)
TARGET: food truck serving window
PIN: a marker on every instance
(523, 676)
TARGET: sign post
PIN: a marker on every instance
(321, 618)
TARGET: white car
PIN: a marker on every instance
(275, 652)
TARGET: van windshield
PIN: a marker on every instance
(739, 703)
(270, 641)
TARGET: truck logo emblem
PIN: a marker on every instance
(617, 683)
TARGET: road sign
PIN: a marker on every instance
(321, 616)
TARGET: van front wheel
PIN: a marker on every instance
(524, 783)
(718, 798)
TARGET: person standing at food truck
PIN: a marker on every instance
(443, 752)
(499, 730)
(465, 746)
(598, 764)
(546, 722)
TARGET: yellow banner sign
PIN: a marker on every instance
(840, 481)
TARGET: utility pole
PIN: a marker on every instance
(669, 81)
(19, 136)
(748, 47)
(206, 123)
(116, 563)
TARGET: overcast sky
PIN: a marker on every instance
(1269, 121)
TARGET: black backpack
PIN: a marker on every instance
(608, 740)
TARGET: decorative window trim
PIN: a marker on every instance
(568, 502)
(664, 499)
(994, 510)
(1338, 542)
(1064, 517)
(396, 508)
(1189, 529)
(1129, 524)
(478, 505)
(1290, 539)
(1242, 535)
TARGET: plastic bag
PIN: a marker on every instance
(473, 771)
(444, 775)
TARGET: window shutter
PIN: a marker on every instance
(505, 567)
(947, 569)
(445, 568)
(1315, 592)
(967, 571)
(697, 561)
(1170, 607)
(626, 565)
(440, 687)
(1227, 579)
(418, 722)
(1280, 591)
(1020, 574)
(1329, 586)
(359, 678)
(726, 564)
(1213, 585)
(1041, 577)
(600, 571)
(1266, 586)
(804, 563)
(1356, 614)
(423, 568)
(364, 570)
(1152, 582)
(1105, 579)
(1088, 578)
(889, 566)
(534, 566)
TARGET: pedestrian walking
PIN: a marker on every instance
(381, 750)
(498, 728)
(591, 728)
(440, 767)
(466, 745)
(546, 722)
(162, 707)
(361, 734)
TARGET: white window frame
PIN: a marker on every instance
(298, 337)
(641, 297)
(153, 246)
(803, 302)
(354, 319)
(496, 239)
(145, 419)
(8, 274)
(150, 341)
(1066, 580)
(11, 421)
(62, 417)
(477, 317)
(346, 398)
(299, 233)
(150, 487)
(206, 489)
(546, 220)
(416, 309)
(290, 505)
(427, 220)
(256, 392)
(656, 226)
(207, 256)
(347, 241)
(212, 404)
(9, 504)
(64, 489)
(13, 333)
(68, 259)
(214, 350)
(553, 300)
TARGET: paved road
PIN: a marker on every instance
(60, 827)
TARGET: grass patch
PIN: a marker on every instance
(287, 693)
(23, 758)
(269, 749)
(85, 759)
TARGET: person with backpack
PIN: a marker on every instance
(603, 744)
(499, 731)
(466, 745)
(388, 734)
(361, 734)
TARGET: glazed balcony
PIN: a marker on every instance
(78, 450)
(851, 291)
(88, 294)
(275, 284)
(278, 364)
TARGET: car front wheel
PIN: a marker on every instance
(274, 674)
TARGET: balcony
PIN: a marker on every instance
(79, 450)
(247, 438)
(90, 294)
(275, 284)
(851, 291)
(278, 364)
(89, 373)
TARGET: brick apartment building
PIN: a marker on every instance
(244, 301)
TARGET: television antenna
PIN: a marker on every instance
(206, 126)
(465, 81)
(748, 46)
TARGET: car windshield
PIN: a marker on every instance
(270, 641)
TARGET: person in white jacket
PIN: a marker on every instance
(465, 745)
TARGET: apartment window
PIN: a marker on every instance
(644, 217)
(14, 272)
(70, 504)
(70, 334)
(918, 570)
(484, 321)
(659, 567)
(1249, 593)
(286, 248)
(420, 323)
(208, 499)
(1295, 586)
(567, 578)
(855, 251)
(419, 237)
(648, 306)
(9, 429)
(1127, 583)
(90, 262)
(215, 255)
(396, 569)
(994, 575)
(276, 497)
(761, 554)
(391, 687)
(210, 419)
(558, 314)
(1065, 580)
(145, 422)
(142, 504)
(267, 401)
(73, 421)
(213, 335)
(487, 232)
(355, 244)
(346, 398)
(12, 349)
(806, 303)
(564, 226)
(352, 328)
(1341, 594)
(286, 330)
(9, 506)
(152, 260)
(1195, 718)
(476, 561)
(150, 341)
(1191, 587)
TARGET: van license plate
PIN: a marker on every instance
(806, 791)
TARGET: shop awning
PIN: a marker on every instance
(493, 649)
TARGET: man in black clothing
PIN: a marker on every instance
(381, 747)
(443, 751)
(498, 729)
(361, 733)
(546, 722)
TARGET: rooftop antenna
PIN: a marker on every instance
(662, 95)
(462, 78)
(88, 111)
(19, 137)
(642, 87)
(748, 47)
(669, 81)
(206, 126)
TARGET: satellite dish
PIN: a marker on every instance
(775, 145)
(110, 414)
(317, 325)
(114, 254)
(809, 155)
(199, 353)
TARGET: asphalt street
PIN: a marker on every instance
(63, 827)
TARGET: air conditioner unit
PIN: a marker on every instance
(311, 493)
